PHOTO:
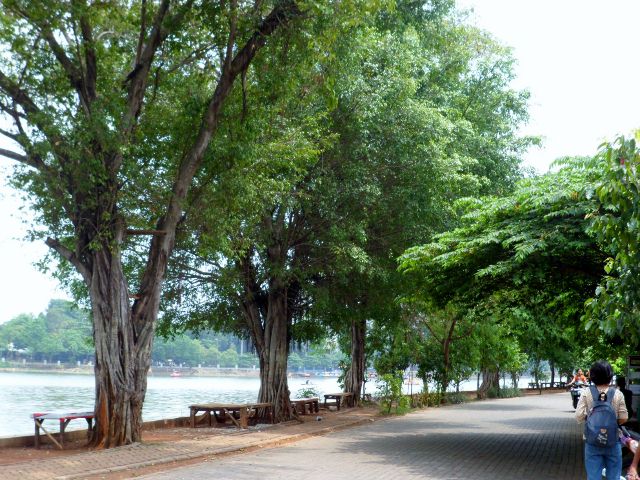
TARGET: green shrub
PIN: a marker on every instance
(455, 398)
(308, 391)
(503, 392)
(390, 393)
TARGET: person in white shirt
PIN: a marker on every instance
(596, 457)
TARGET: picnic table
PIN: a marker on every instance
(302, 405)
(64, 418)
(238, 413)
(339, 399)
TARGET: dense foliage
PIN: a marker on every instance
(61, 334)
(615, 224)
(332, 177)
(525, 263)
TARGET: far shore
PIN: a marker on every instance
(163, 371)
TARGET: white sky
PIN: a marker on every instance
(578, 58)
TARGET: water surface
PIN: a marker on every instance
(22, 394)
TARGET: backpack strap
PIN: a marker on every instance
(595, 394)
(610, 394)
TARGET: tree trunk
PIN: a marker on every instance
(274, 357)
(354, 376)
(268, 319)
(490, 379)
(123, 355)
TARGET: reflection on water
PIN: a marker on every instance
(22, 394)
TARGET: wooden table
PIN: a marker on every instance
(302, 405)
(339, 399)
(238, 414)
(64, 418)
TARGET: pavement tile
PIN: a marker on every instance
(531, 437)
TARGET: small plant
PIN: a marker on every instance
(308, 391)
(390, 393)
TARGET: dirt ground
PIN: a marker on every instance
(73, 447)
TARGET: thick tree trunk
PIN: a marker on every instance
(122, 355)
(490, 379)
(268, 319)
(354, 376)
(274, 357)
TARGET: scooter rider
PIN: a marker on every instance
(578, 377)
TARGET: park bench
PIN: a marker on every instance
(64, 418)
(342, 399)
(303, 405)
(240, 415)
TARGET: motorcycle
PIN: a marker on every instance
(576, 390)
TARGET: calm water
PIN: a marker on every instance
(21, 394)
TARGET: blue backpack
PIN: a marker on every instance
(601, 428)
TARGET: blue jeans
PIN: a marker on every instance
(597, 458)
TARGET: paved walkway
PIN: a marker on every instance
(532, 437)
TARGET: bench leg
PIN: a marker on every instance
(63, 426)
(89, 429)
(36, 439)
(48, 434)
(244, 417)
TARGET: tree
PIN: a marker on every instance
(110, 144)
(525, 259)
(421, 73)
(615, 220)
(62, 333)
(343, 193)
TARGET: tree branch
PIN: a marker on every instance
(138, 77)
(70, 256)
(13, 155)
(13, 136)
(161, 246)
(90, 59)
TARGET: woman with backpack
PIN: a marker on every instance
(602, 409)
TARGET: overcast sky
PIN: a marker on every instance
(578, 58)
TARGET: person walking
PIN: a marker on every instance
(602, 403)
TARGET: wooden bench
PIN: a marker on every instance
(64, 418)
(303, 405)
(339, 400)
(239, 414)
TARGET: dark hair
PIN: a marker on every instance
(621, 382)
(601, 373)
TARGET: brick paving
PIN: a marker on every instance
(531, 437)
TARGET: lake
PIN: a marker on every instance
(22, 394)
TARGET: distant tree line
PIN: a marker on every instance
(63, 334)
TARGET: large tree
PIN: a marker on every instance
(366, 151)
(112, 111)
(524, 259)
